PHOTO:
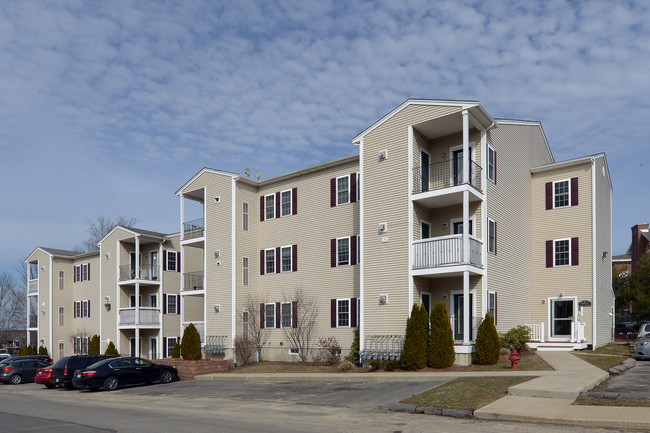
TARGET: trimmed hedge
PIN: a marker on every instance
(414, 355)
(440, 348)
(488, 343)
(191, 343)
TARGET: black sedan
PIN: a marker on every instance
(114, 372)
(20, 370)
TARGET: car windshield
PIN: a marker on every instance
(61, 363)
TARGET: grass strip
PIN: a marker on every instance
(622, 401)
(604, 362)
(469, 393)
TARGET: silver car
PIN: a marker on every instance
(642, 347)
(644, 329)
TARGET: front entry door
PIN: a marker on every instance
(154, 265)
(457, 167)
(562, 311)
(133, 352)
(459, 317)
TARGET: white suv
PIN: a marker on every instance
(4, 354)
(644, 330)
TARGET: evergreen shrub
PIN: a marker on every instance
(440, 348)
(414, 355)
(488, 343)
(191, 343)
(111, 350)
(93, 346)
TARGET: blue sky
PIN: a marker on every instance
(106, 108)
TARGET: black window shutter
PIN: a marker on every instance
(164, 303)
(88, 307)
(495, 166)
(333, 253)
(495, 238)
(89, 269)
(353, 250)
(294, 314)
(178, 304)
(574, 252)
(549, 254)
(262, 262)
(74, 274)
(353, 188)
(278, 260)
(294, 258)
(164, 348)
(574, 191)
(333, 313)
(74, 310)
(278, 315)
(495, 309)
(294, 201)
(353, 312)
(178, 261)
(262, 208)
(333, 192)
(262, 322)
(549, 195)
(164, 260)
(277, 205)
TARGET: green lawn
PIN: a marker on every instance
(627, 402)
(604, 362)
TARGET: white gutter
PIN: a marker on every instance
(594, 252)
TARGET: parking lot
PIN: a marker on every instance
(634, 383)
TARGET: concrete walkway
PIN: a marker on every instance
(546, 399)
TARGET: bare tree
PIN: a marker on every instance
(79, 333)
(100, 227)
(254, 335)
(304, 311)
(13, 299)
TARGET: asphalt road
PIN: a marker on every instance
(633, 383)
(206, 406)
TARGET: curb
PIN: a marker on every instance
(411, 408)
(619, 369)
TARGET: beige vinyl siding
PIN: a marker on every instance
(441, 219)
(604, 293)
(562, 223)
(386, 199)
(44, 276)
(62, 298)
(247, 246)
(171, 281)
(509, 272)
(193, 308)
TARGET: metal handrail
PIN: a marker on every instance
(439, 175)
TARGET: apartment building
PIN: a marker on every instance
(442, 202)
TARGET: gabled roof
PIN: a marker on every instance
(205, 170)
(67, 254)
(573, 162)
(135, 232)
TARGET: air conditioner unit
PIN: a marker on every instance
(383, 299)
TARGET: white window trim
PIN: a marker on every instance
(266, 316)
(472, 148)
(290, 259)
(266, 271)
(85, 313)
(290, 191)
(169, 298)
(245, 324)
(266, 216)
(460, 220)
(293, 351)
(430, 300)
(337, 189)
(568, 181)
(245, 208)
(550, 316)
(245, 271)
(171, 342)
(61, 316)
(494, 166)
(422, 223)
(489, 294)
(490, 220)
(349, 252)
(349, 300)
(61, 280)
(282, 304)
(554, 252)
(169, 253)
(84, 272)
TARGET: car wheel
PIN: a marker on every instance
(111, 383)
(166, 376)
(16, 379)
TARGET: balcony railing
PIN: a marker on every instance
(193, 281)
(32, 286)
(33, 321)
(200, 327)
(536, 331)
(146, 272)
(193, 229)
(445, 251)
(147, 316)
(440, 175)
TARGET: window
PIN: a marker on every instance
(343, 251)
(77, 273)
(61, 316)
(342, 190)
(492, 164)
(270, 261)
(285, 200)
(343, 313)
(269, 205)
(171, 260)
(244, 323)
(286, 259)
(77, 309)
(425, 230)
(81, 309)
(244, 218)
(561, 193)
(286, 315)
(492, 305)
(562, 253)
(80, 345)
(492, 236)
(244, 271)
(269, 315)
(457, 226)
(171, 342)
(61, 280)
(61, 349)
(171, 304)
(294, 351)
(84, 272)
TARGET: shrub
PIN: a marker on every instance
(111, 350)
(488, 343)
(345, 366)
(516, 338)
(42, 350)
(191, 343)
(330, 351)
(353, 356)
(26, 351)
(414, 355)
(392, 365)
(245, 349)
(176, 352)
(440, 348)
(93, 345)
(375, 364)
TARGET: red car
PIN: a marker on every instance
(44, 375)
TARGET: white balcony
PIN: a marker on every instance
(148, 316)
(446, 251)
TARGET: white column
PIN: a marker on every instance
(466, 155)
(466, 304)
(183, 217)
(137, 337)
